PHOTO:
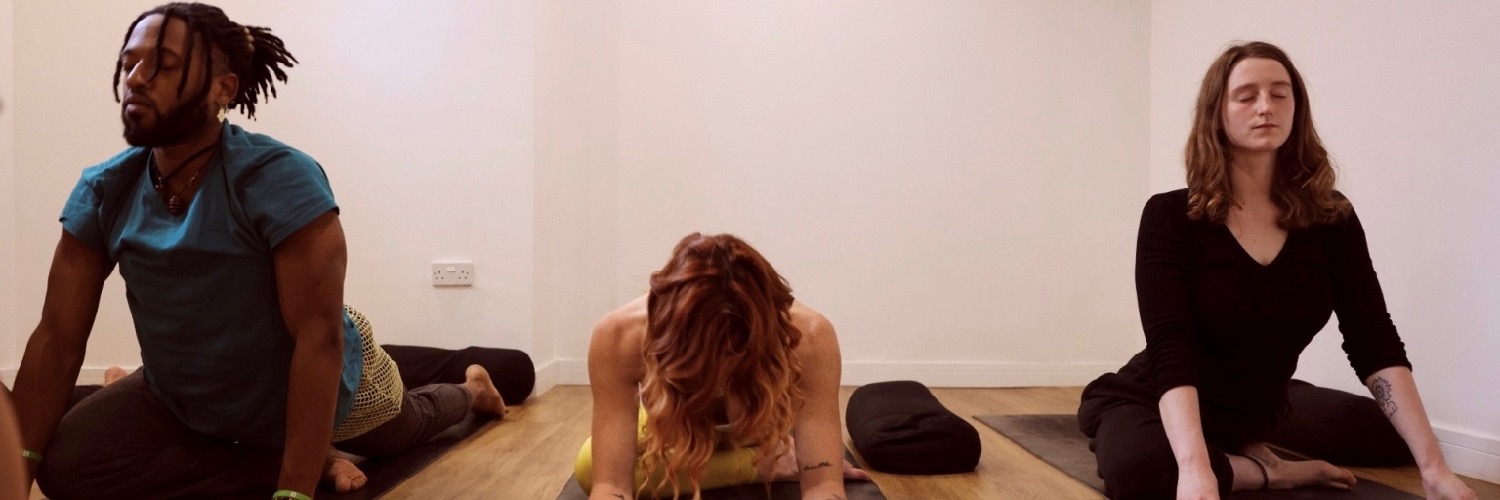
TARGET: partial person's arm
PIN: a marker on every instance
(1396, 392)
(1379, 357)
(1163, 266)
(12, 471)
(1184, 428)
(613, 382)
(54, 353)
(310, 285)
(818, 434)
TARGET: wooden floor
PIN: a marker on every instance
(530, 454)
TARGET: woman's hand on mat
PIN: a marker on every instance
(1446, 486)
(1197, 483)
(785, 468)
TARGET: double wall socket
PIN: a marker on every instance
(452, 274)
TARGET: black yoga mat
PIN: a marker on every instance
(386, 473)
(1056, 440)
(780, 490)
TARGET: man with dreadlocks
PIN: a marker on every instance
(233, 257)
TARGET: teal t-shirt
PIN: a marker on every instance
(202, 285)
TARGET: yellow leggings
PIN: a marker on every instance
(726, 467)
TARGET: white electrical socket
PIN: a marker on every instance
(452, 274)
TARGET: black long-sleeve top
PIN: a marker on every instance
(1220, 321)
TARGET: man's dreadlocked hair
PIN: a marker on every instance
(251, 52)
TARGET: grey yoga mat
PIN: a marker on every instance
(789, 490)
(1056, 440)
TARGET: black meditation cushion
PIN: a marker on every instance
(512, 371)
(1339, 427)
(901, 427)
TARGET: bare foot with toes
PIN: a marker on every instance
(114, 374)
(1288, 474)
(343, 475)
(487, 399)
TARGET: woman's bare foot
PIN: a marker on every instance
(343, 475)
(855, 473)
(1288, 474)
(786, 468)
(486, 397)
(783, 468)
(114, 374)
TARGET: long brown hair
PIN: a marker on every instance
(719, 336)
(1303, 182)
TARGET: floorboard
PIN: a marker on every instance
(529, 455)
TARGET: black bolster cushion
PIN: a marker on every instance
(512, 371)
(901, 427)
(1339, 427)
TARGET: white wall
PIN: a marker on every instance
(1403, 96)
(954, 185)
(423, 118)
(576, 169)
(9, 354)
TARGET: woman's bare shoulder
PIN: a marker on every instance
(817, 330)
(628, 317)
(617, 339)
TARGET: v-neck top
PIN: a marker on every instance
(1218, 320)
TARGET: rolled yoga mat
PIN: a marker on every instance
(1056, 440)
(780, 490)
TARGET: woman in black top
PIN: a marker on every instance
(1234, 276)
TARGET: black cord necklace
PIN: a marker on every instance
(175, 203)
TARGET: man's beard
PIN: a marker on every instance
(174, 127)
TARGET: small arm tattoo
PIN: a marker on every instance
(820, 465)
(1381, 389)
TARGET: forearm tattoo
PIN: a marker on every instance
(1381, 389)
(820, 465)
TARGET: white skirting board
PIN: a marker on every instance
(546, 377)
(86, 376)
(935, 374)
(1470, 453)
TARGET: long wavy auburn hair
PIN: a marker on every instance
(719, 336)
(1303, 182)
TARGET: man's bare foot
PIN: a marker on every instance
(486, 397)
(343, 475)
(1288, 474)
(114, 374)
